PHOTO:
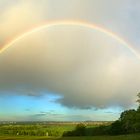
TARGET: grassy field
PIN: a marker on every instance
(124, 137)
(35, 130)
(55, 130)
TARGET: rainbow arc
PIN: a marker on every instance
(66, 22)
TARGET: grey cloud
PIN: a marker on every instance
(86, 67)
(39, 115)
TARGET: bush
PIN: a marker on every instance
(80, 130)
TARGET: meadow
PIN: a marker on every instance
(41, 129)
(54, 132)
(55, 129)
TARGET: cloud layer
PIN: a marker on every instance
(86, 67)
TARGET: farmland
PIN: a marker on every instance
(53, 131)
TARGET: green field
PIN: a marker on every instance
(55, 130)
(124, 137)
(34, 130)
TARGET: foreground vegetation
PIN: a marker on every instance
(128, 123)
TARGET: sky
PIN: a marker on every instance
(68, 72)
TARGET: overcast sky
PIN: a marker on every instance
(69, 72)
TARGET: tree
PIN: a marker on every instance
(116, 128)
(128, 119)
(80, 129)
(138, 101)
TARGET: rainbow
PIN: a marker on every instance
(66, 22)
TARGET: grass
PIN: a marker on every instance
(38, 130)
(123, 137)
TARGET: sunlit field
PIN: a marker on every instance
(53, 132)
(40, 129)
